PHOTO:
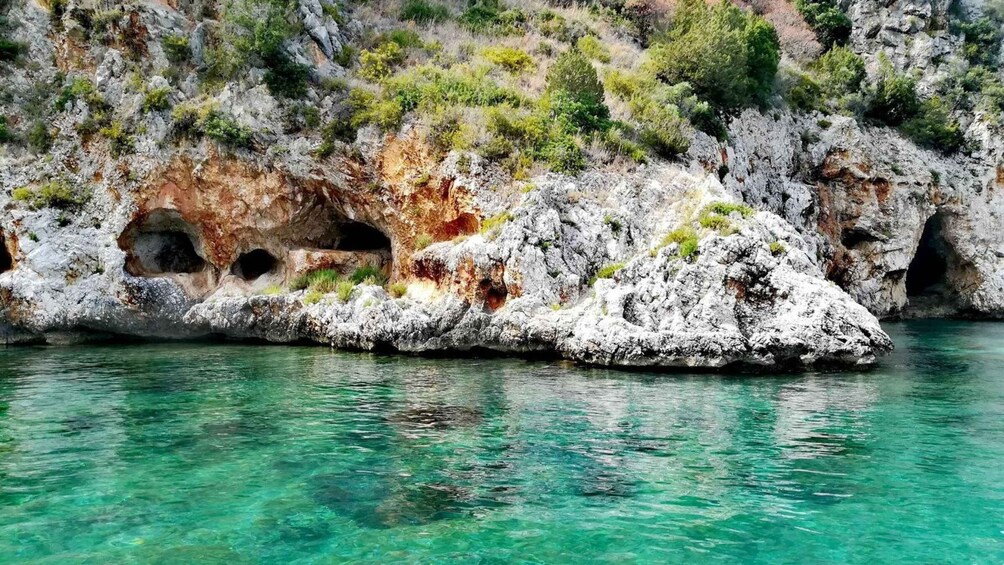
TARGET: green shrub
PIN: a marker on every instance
(332, 11)
(840, 71)
(312, 297)
(554, 25)
(57, 8)
(206, 119)
(157, 99)
(398, 289)
(249, 32)
(379, 63)
(57, 194)
(894, 99)
(714, 222)
(727, 208)
(6, 136)
(934, 127)
(339, 129)
(11, 50)
(344, 290)
(489, 16)
(515, 61)
(576, 92)
(176, 48)
(421, 11)
(982, 41)
(104, 23)
(322, 280)
(39, 137)
(729, 56)
(609, 271)
(285, 77)
(831, 25)
(679, 235)
(225, 129)
(802, 92)
(429, 88)
(444, 130)
(369, 274)
(777, 248)
(591, 47)
(367, 108)
(689, 248)
(118, 137)
(80, 88)
(563, 155)
(617, 141)
(404, 38)
(661, 127)
(423, 240)
(495, 222)
(686, 239)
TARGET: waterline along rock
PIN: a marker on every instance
(526, 180)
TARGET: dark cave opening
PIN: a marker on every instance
(161, 242)
(253, 264)
(159, 252)
(928, 269)
(357, 236)
(6, 261)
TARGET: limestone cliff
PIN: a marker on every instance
(777, 245)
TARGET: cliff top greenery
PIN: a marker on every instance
(530, 86)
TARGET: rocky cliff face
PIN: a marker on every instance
(662, 265)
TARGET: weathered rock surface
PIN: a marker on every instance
(183, 239)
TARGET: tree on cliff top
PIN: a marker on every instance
(729, 55)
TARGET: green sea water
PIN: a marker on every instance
(182, 453)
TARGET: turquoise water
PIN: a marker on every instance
(264, 454)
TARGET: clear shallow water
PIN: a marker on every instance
(259, 454)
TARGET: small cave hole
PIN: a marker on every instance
(161, 242)
(161, 252)
(853, 237)
(6, 261)
(927, 272)
(253, 264)
(357, 236)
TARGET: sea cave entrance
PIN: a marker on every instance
(357, 236)
(161, 243)
(6, 261)
(928, 272)
(253, 264)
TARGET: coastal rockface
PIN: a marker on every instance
(778, 246)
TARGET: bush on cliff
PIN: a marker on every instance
(192, 119)
(933, 127)
(728, 55)
(831, 25)
(422, 12)
(894, 98)
(252, 33)
(576, 92)
(57, 194)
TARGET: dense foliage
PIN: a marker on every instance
(728, 55)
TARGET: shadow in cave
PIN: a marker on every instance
(253, 264)
(929, 287)
(6, 261)
(357, 236)
(161, 243)
(928, 270)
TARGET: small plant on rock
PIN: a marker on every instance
(398, 289)
(344, 290)
(56, 194)
(155, 99)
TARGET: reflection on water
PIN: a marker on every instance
(250, 453)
